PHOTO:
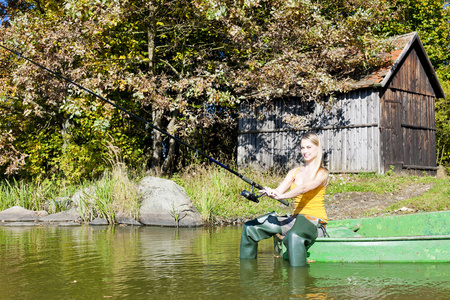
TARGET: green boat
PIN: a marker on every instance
(423, 237)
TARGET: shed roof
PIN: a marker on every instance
(402, 45)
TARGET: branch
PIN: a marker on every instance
(172, 67)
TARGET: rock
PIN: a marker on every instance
(405, 209)
(18, 214)
(64, 216)
(69, 224)
(99, 221)
(20, 224)
(53, 205)
(41, 213)
(164, 203)
(82, 198)
(122, 218)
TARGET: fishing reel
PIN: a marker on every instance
(251, 196)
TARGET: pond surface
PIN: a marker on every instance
(189, 263)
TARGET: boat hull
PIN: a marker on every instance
(412, 238)
(386, 249)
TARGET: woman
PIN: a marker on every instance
(307, 184)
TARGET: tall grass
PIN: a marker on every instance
(216, 193)
(115, 192)
(29, 195)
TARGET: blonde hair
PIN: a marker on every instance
(317, 163)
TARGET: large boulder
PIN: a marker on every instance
(59, 203)
(70, 215)
(165, 203)
(20, 214)
(83, 199)
(126, 219)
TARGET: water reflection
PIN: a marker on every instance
(190, 263)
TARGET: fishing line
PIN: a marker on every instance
(250, 196)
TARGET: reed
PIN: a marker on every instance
(115, 192)
(216, 193)
(29, 195)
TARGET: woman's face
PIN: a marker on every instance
(309, 150)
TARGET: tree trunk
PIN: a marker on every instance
(151, 34)
(157, 114)
(65, 133)
(168, 163)
(157, 156)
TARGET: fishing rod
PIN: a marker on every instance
(249, 195)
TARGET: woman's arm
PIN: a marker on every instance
(287, 182)
(320, 180)
(283, 186)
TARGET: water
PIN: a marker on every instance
(190, 263)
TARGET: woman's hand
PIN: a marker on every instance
(271, 193)
(263, 192)
(266, 191)
(276, 195)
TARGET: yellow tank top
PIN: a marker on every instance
(311, 203)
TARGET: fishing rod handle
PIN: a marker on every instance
(283, 201)
(259, 187)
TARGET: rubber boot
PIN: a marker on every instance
(298, 240)
(255, 230)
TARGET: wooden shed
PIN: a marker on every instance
(387, 122)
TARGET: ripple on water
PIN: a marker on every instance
(145, 263)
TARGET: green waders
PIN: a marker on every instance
(297, 240)
(255, 230)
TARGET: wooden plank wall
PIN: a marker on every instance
(419, 132)
(392, 142)
(408, 136)
(349, 132)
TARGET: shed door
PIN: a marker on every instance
(391, 131)
(419, 132)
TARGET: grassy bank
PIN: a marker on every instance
(115, 192)
(31, 195)
(435, 199)
(215, 192)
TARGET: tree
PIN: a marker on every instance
(184, 65)
(443, 129)
(105, 46)
(304, 49)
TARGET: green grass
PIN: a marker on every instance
(116, 192)
(436, 199)
(369, 182)
(215, 192)
(30, 195)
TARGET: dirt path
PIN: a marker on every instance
(356, 204)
